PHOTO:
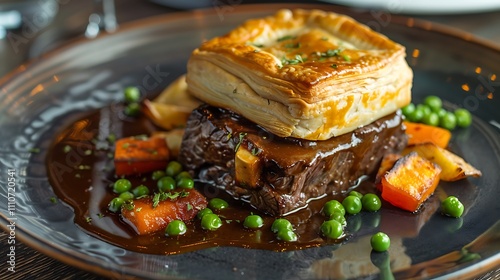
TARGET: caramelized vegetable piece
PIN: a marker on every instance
(137, 155)
(410, 182)
(453, 167)
(153, 213)
(387, 163)
(173, 139)
(421, 133)
(247, 168)
(166, 116)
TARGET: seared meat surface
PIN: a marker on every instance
(278, 175)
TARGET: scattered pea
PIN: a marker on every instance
(356, 193)
(331, 206)
(371, 202)
(140, 191)
(434, 102)
(452, 207)
(203, 212)
(416, 115)
(166, 184)
(122, 185)
(281, 224)
(217, 204)
(126, 196)
(337, 216)
(132, 109)
(158, 174)
(464, 118)
(131, 94)
(431, 119)
(287, 235)
(426, 110)
(448, 121)
(115, 204)
(173, 168)
(352, 204)
(183, 174)
(408, 109)
(380, 242)
(331, 229)
(185, 183)
(175, 228)
(211, 221)
(253, 221)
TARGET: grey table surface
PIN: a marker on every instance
(31, 264)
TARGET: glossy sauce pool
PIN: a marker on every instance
(80, 167)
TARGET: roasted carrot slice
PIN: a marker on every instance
(410, 182)
(153, 213)
(421, 133)
(387, 163)
(137, 155)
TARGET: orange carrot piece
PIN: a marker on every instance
(137, 155)
(146, 217)
(421, 133)
(387, 163)
(410, 182)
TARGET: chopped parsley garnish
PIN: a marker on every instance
(34, 150)
(111, 138)
(293, 45)
(298, 59)
(129, 205)
(189, 207)
(88, 219)
(53, 200)
(100, 215)
(287, 37)
(141, 137)
(162, 196)
(241, 135)
(334, 65)
(138, 209)
(125, 145)
(256, 151)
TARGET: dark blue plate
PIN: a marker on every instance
(39, 98)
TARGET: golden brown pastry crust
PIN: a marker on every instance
(303, 73)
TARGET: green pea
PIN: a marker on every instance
(331, 229)
(253, 221)
(287, 235)
(356, 193)
(416, 115)
(140, 191)
(126, 196)
(183, 174)
(281, 224)
(157, 175)
(448, 121)
(166, 184)
(211, 221)
(115, 204)
(352, 204)
(131, 94)
(132, 109)
(175, 228)
(185, 183)
(431, 119)
(441, 112)
(337, 216)
(122, 185)
(331, 206)
(434, 102)
(371, 202)
(173, 168)
(452, 207)
(380, 242)
(426, 110)
(203, 212)
(408, 109)
(217, 204)
(464, 118)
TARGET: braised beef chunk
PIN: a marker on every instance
(279, 175)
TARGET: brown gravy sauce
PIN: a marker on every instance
(80, 169)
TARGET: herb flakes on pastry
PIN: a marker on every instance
(306, 74)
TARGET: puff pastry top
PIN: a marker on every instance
(304, 74)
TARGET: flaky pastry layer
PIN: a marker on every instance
(307, 74)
